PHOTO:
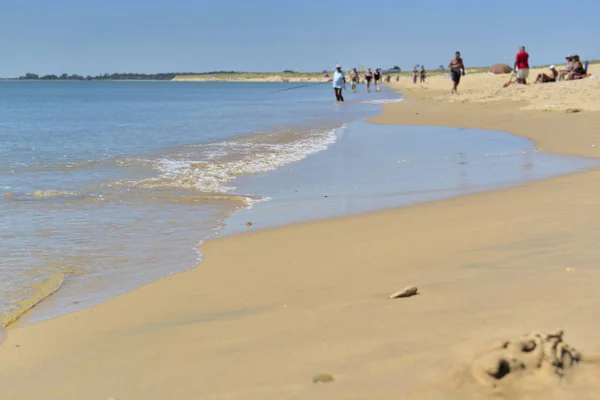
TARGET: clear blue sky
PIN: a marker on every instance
(92, 37)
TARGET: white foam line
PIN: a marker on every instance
(214, 177)
(382, 101)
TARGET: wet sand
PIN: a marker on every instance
(267, 311)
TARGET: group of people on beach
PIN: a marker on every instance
(456, 65)
(419, 74)
(339, 80)
(574, 69)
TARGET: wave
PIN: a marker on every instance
(382, 101)
(45, 194)
(42, 291)
(210, 168)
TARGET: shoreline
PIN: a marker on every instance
(502, 116)
(305, 141)
(302, 291)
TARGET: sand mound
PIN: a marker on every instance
(533, 353)
(535, 366)
(500, 69)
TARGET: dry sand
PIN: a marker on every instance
(268, 311)
(581, 94)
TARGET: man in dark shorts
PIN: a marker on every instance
(377, 78)
(368, 77)
(457, 69)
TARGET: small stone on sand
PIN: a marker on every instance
(406, 292)
(248, 223)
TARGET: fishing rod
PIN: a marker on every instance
(299, 86)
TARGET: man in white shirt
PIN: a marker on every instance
(339, 82)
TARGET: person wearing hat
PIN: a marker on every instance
(457, 69)
(522, 65)
(543, 78)
(563, 73)
(339, 82)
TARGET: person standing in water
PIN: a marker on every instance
(339, 82)
(354, 78)
(377, 76)
(368, 77)
(457, 69)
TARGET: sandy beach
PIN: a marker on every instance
(483, 88)
(268, 311)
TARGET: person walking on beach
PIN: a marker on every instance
(422, 74)
(339, 83)
(354, 78)
(457, 69)
(415, 74)
(522, 66)
(377, 76)
(368, 77)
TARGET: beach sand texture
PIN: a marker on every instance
(269, 311)
(574, 95)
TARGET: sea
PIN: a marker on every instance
(107, 186)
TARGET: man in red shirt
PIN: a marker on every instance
(522, 65)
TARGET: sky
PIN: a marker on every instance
(95, 37)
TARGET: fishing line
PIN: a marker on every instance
(298, 87)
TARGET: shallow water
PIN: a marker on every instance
(375, 167)
(109, 185)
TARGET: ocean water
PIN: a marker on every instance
(109, 185)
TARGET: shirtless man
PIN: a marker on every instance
(544, 78)
(457, 69)
(354, 78)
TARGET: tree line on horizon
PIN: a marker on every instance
(116, 76)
